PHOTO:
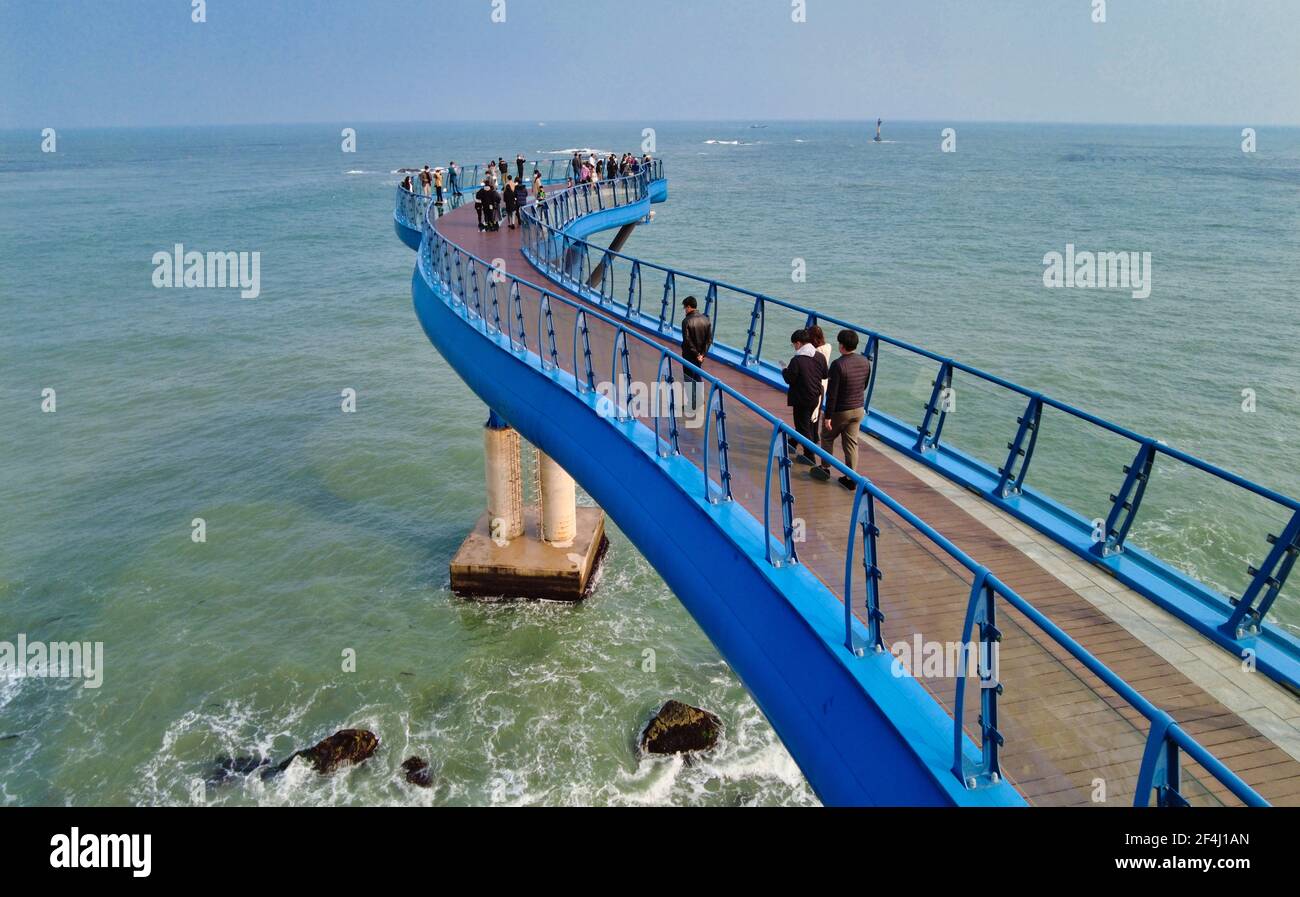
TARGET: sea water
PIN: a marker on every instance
(317, 598)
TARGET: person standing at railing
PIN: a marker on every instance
(437, 184)
(508, 197)
(817, 338)
(845, 405)
(521, 200)
(537, 183)
(407, 185)
(426, 180)
(804, 374)
(576, 165)
(520, 161)
(491, 201)
(697, 338)
(453, 174)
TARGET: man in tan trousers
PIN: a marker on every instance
(845, 406)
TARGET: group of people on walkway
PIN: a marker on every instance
(594, 167)
(504, 193)
(513, 197)
(827, 398)
(432, 181)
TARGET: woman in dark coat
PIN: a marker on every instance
(508, 197)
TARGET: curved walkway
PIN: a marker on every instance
(1064, 728)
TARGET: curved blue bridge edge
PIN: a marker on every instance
(861, 735)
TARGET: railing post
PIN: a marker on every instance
(582, 264)
(496, 305)
(1124, 506)
(1250, 610)
(710, 299)
(755, 318)
(516, 300)
(724, 463)
(1009, 480)
(1161, 771)
(779, 451)
(634, 287)
(620, 370)
(981, 613)
(864, 516)
(670, 295)
(459, 292)
(935, 410)
(580, 333)
(544, 315)
(674, 447)
(872, 354)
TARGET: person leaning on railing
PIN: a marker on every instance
(845, 403)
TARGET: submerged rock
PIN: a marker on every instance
(418, 772)
(680, 728)
(343, 748)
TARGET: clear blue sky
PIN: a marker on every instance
(143, 62)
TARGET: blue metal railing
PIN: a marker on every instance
(1240, 619)
(443, 267)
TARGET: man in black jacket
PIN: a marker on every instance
(805, 374)
(845, 405)
(490, 201)
(697, 337)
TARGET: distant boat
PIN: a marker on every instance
(879, 122)
(758, 126)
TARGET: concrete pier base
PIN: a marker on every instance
(527, 567)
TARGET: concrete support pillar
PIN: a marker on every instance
(559, 503)
(505, 488)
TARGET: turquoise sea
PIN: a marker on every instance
(330, 532)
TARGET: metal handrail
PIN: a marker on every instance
(1159, 771)
(1243, 616)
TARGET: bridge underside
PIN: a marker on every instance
(1065, 730)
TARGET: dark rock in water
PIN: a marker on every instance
(343, 748)
(680, 728)
(340, 749)
(418, 772)
(225, 768)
